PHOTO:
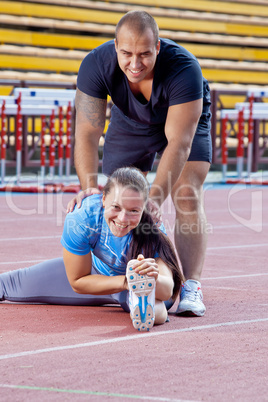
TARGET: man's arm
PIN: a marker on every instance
(180, 129)
(89, 126)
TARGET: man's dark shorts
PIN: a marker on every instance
(128, 143)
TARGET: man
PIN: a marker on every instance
(161, 105)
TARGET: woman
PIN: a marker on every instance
(104, 244)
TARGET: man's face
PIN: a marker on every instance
(136, 53)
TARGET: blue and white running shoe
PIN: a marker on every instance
(141, 299)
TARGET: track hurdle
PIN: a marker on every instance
(45, 93)
(52, 145)
(250, 135)
(258, 93)
(43, 148)
(244, 112)
(24, 110)
(240, 145)
(224, 150)
(18, 139)
(68, 141)
(3, 143)
(227, 115)
(60, 143)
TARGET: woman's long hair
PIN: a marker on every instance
(148, 239)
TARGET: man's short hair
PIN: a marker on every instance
(138, 21)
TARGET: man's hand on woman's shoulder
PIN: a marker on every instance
(77, 200)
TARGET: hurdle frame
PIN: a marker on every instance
(217, 105)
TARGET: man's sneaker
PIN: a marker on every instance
(141, 299)
(191, 299)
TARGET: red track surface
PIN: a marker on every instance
(65, 353)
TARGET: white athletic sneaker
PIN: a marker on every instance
(191, 299)
(141, 299)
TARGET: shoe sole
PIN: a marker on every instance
(143, 313)
(190, 313)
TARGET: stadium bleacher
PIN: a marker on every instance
(42, 42)
(48, 37)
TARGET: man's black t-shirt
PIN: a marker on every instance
(177, 79)
(136, 130)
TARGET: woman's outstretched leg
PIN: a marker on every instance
(45, 283)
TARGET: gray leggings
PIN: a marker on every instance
(47, 283)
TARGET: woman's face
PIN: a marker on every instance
(123, 208)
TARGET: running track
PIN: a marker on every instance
(65, 353)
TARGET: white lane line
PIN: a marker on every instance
(94, 393)
(59, 236)
(236, 226)
(234, 276)
(130, 337)
(25, 262)
(238, 246)
(31, 238)
(44, 218)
